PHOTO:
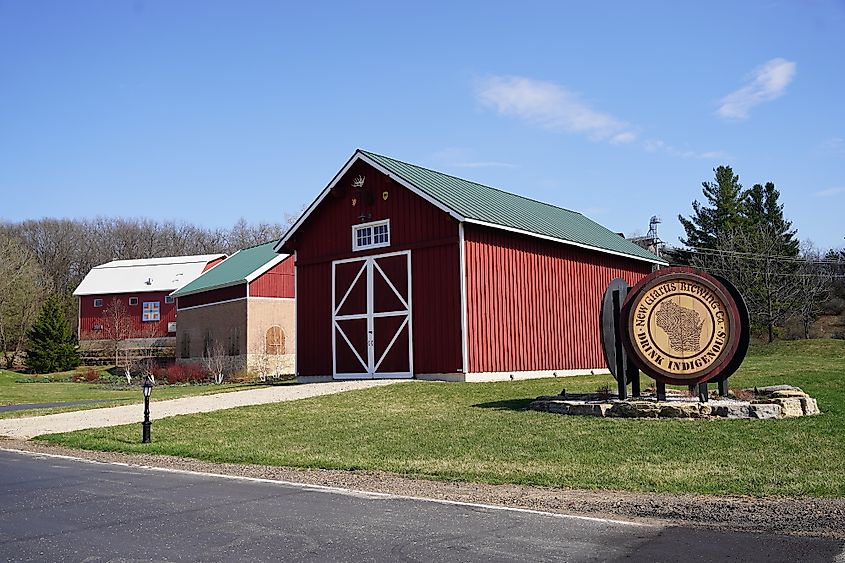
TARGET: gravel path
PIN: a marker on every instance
(790, 516)
(29, 427)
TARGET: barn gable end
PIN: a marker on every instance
(500, 286)
(415, 225)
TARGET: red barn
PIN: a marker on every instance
(143, 288)
(402, 271)
(246, 305)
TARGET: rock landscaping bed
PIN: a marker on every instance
(777, 401)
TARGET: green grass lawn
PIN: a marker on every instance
(483, 432)
(13, 393)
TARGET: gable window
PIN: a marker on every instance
(371, 235)
(98, 302)
(168, 299)
(133, 300)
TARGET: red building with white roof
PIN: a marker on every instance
(143, 287)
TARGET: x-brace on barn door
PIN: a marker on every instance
(371, 317)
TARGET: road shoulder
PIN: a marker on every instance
(811, 517)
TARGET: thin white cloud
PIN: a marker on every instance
(830, 192)
(834, 146)
(656, 145)
(766, 83)
(551, 106)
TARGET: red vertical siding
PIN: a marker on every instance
(313, 319)
(534, 304)
(90, 315)
(431, 235)
(213, 263)
(278, 281)
(212, 296)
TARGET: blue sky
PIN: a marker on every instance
(211, 111)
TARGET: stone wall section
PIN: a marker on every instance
(241, 326)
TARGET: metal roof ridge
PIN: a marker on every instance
(470, 181)
(274, 242)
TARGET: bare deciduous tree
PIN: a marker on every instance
(67, 249)
(216, 360)
(141, 356)
(117, 328)
(768, 281)
(816, 279)
(23, 288)
(261, 362)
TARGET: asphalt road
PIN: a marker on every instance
(54, 508)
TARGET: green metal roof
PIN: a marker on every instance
(480, 203)
(234, 270)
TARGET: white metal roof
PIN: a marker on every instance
(148, 274)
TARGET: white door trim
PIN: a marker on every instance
(371, 364)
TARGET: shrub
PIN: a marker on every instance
(90, 375)
(185, 373)
(834, 306)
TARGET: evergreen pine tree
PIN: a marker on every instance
(764, 212)
(707, 225)
(51, 345)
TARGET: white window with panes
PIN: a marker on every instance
(371, 235)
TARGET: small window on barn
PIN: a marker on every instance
(168, 299)
(98, 302)
(274, 341)
(371, 235)
(98, 328)
(133, 300)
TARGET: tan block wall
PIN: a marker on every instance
(263, 314)
(224, 321)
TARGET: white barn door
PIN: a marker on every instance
(371, 317)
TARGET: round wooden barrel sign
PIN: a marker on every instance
(682, 326)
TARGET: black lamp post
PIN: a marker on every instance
(148, 389)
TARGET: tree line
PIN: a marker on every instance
(743, 235)
(49, 257)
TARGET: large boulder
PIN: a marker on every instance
(590, 409)
(764, 410)
(789, 407)
(738, 410)
(810, 406)
(685, 410)
(635, 409)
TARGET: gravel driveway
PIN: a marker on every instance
(29, 427)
